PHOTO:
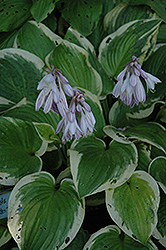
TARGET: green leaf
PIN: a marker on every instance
(42, 216)
(144, 158)
(7, 39)
(73, 60)
(156, 65)
(37, 39)
(26, 111)
(5, 236)
(79, 240)
(20, 148)
(20, 72)
(95, 169)
(14, 14)
(134, 38)
(41, 9)
(46, 132)
(133, 206)
(161, 38)
(123, 14)
(77, 38)
(110, 238)
(51, 22)
(157, 6)
(85, 14)
(150, 132)
(157, 169)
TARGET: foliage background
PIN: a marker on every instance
(106, 191)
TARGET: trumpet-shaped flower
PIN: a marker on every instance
(131, 90)
(49, 95)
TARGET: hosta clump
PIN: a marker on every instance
(57, 94)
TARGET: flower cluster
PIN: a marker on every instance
(77, 118)
(131, 90)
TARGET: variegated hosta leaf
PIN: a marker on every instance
(20, 73)
(37, 39)
(157, 169)
(133, 206)
(124, 13)
(134, 38)
(20, 148)
(46, 132)
(110, 238)
(160, 231)
(149, 132)
(5, 236)
(73, 60)
(42, 215)
(157, 6)
(95, 169)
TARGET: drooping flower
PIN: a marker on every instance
(79, 120)
(131, 90)
(49, 95)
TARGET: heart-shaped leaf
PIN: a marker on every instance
(157, 169)
(42, 215)
(74, 62)
(149, 132)
(20, 73)
(133, 206)
(20, 148)
(110, 238)
(46, 132)
(134, 38)
(94, 168)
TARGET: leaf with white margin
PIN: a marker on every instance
(110, 238)
(77, 38)
(37, 39)
(5, 236)
(157, 169)
(20, 148)
(20, 73)
(42, 215)
(95, 168)
(46, 132)
(160, 231)
(133, 206)
(74, 62)
(150, 132)
(137, 38)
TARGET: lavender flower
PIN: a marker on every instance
(131, 90)
(77, 118)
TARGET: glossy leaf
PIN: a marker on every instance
(20, 148)
(14, 14)
(133, 206)
(150, 132)
(134, 38)
(110, 238)
(41, 9)
(20, 73)
(42, 216)
(95, 169)
(73, 60)
(85, 14)
(37, 39)
(157, 169)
